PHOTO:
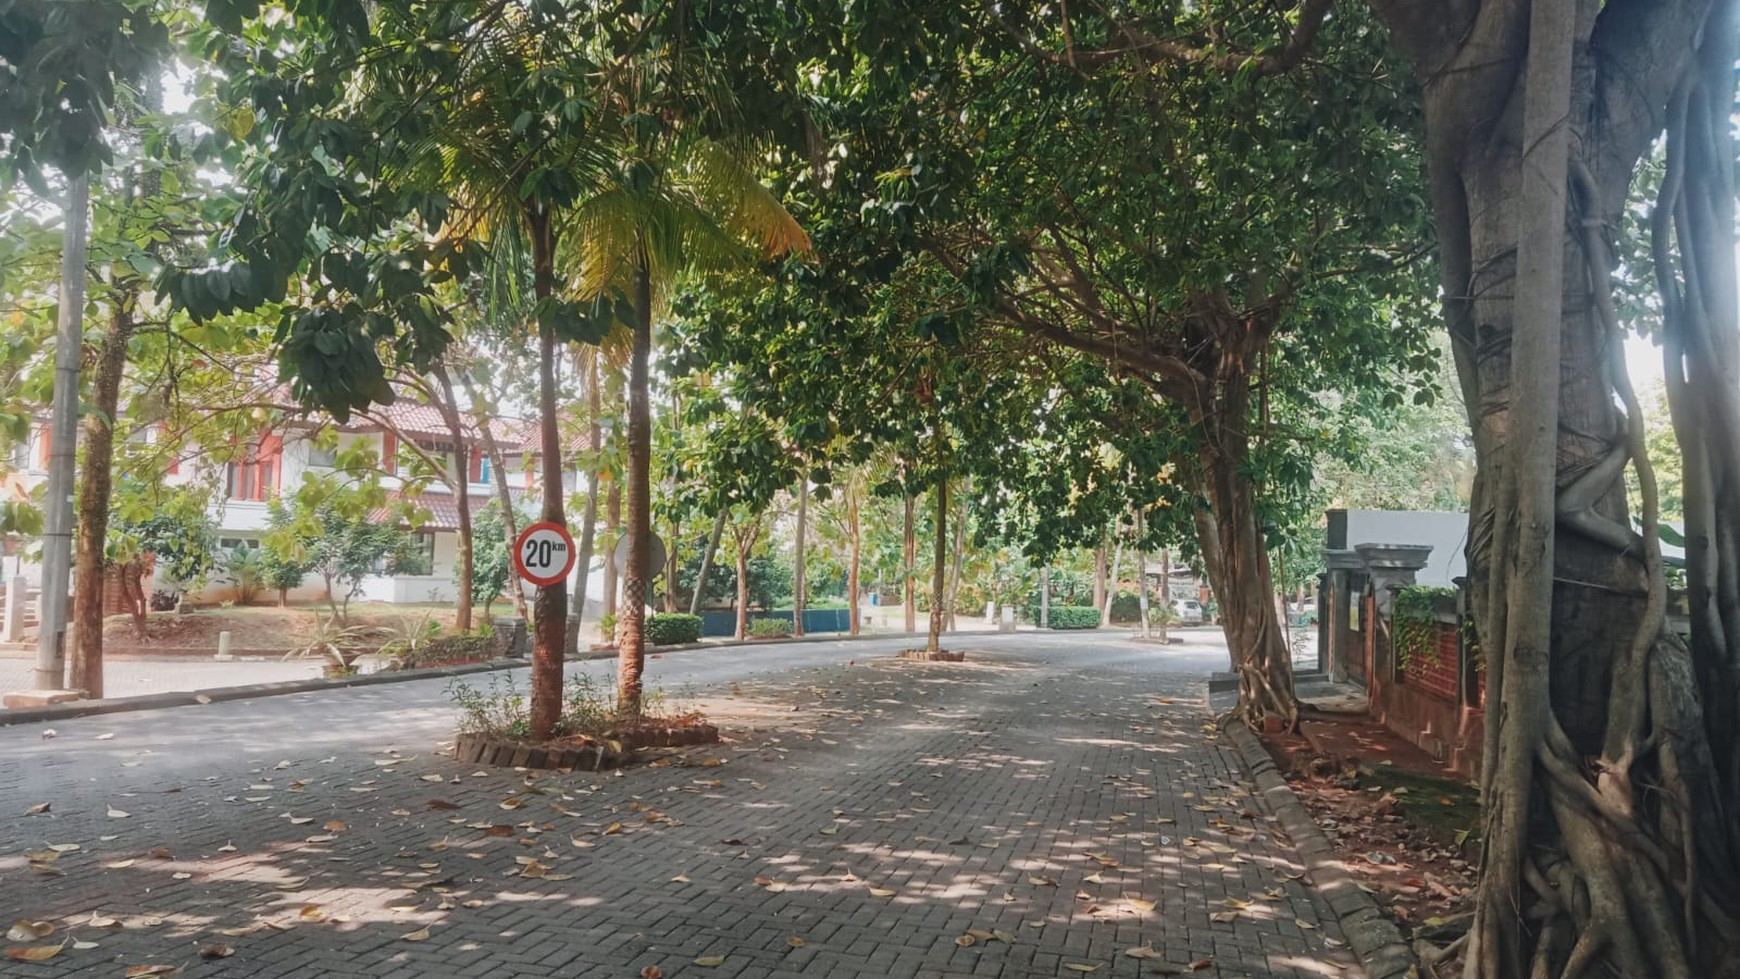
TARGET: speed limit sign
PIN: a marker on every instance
(544, 553)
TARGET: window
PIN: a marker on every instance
(416, 558)
(482, 466)
(324, 458)
(231, 543)
(255, 476)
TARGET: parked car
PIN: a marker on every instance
(1188, 611)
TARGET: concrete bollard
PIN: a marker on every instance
(223, 653)
(12, 620)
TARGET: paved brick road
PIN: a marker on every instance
(1057, 796)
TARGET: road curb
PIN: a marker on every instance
(1373, 937)
(159, 701)
(188, 698)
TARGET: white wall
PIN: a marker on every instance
(1446, 532)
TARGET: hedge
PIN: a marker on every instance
(1074, 617)
(672, 628)
(768, 628)
(1126, 607)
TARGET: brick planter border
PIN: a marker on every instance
(940, 656)
(483, 749)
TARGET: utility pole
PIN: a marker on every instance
(63, 443)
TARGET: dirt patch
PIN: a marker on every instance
(255, 627)
(1404, 827)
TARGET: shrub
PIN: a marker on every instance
(607, 628)
(1126, 607)
(1074, 617)
(765, 628)
(446, 651)
(670, 628)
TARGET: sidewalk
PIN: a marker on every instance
(1038, 811)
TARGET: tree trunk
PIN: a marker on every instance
(95, 484)
(853, 585)
(550, 608)
(1112, 589)
(743, 547)
(509, 519)
(939, 567)
(1142, 583)
(909, 554)
(1100, 577)
(1165, 592)
(960, 553)
(1237, 560)
(799, 592)
(589, 517)
(131, 577)
(707, 562)
(613, 533)
(673, 561)
(1610, 843)
(631, 620)
(462, 450)
(1045, 597)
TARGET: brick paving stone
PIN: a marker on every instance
(1036, 790)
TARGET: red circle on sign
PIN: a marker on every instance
(544, 553)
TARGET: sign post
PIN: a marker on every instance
(544, 553)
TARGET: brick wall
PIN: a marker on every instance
(1439, 671)
(115, 600)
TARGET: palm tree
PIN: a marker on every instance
(680, 202)
(515, 143)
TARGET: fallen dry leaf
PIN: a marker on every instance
(1081, 967)
(1140, 904)
(150, 971)
(216, 952)
(796, 942)
(38, 809)
(1201, 964)
(335, 826)
(965, 941)
(1224, 916)
(709, 961)
(652, 972)
(29, 931)
(119, 814)
(420, 935)
(1145, 951)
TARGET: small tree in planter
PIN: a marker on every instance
(592, 731)
(156, 529)
(339, 527)
(340, 645)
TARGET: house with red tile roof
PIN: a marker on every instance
(404, 436)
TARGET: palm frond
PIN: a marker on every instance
(729, 189)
